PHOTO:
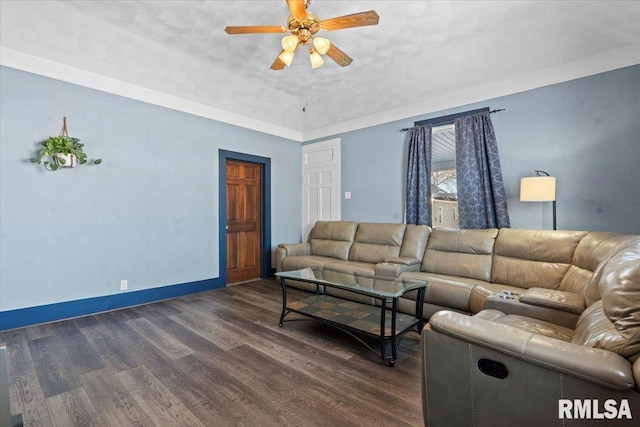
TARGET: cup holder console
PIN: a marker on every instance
(509, 295)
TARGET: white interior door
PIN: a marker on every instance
(320, 184)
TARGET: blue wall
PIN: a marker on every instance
(586, 132)
(148, 214)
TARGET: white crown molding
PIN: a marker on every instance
(594, 65)
(55, 70)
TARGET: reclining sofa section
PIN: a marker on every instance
(540, 274)
(474, 366)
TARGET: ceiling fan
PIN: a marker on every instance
(303, 26)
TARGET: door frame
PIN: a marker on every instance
(265, 210)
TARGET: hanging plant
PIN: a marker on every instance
(62, 151)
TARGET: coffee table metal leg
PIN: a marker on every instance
(284, 302)
(383, 315)
(419, 309)
(394, 350)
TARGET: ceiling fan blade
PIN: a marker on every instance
(255, 29)
(297, 8)
(349, 21)
(340, 58)
(278, 64)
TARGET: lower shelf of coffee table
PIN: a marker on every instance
(358, 316)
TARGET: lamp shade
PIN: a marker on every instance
(286, 57)
(316, 59)
(322, 45)
(538, 189)
(290, 43)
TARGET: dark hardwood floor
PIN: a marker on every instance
(216, 358)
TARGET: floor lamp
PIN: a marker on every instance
(539, 188)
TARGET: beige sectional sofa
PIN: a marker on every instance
(541, 274)
(525, 327)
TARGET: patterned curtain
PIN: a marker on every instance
(481, 197)
(418, 209)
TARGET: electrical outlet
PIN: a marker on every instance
(123, 285)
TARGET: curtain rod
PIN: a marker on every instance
(490, 112)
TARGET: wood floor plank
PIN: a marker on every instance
(156, 400)
(79, 353)
(216, 330)
(235, 398)
(185, 335)
(112, 353)
(197, 392)
(24, 388)
(167, 344)
(112, 401)
(72, 409)
(54, 374)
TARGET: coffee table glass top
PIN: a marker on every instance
(372, 285)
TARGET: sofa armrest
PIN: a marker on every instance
(403, 260)
(290, 249)
(556, 300)
(296, 249)
(511, 304)
(393, 267)
(598, 366)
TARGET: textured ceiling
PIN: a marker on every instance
(420, 50)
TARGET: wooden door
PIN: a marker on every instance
(243, 221)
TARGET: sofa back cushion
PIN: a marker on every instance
(532, 258)
(613, 323)
(463, 253)
(332, 238)
(593, 251)
(415, 241)
(374, 243)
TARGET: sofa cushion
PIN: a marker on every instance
(297, 262)
(332, 238)
(415, 241)
(447, 291)
(351, 267)
(613, 323)
(531, 258)
(374, 243)
(463, 253)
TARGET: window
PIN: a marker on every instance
(444, 197)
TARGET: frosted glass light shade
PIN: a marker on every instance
(316, 59)
(290, 43)
(538, 189)
(322, 45)
(286, 57)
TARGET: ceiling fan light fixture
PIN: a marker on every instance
(322, 45)
(315, 58)
(290, 43)
(286, 57)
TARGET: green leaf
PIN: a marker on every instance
(97, 161)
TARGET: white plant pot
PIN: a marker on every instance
(70, 160)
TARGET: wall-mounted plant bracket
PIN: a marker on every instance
(62, 151)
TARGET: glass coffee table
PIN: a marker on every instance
(382, 319)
